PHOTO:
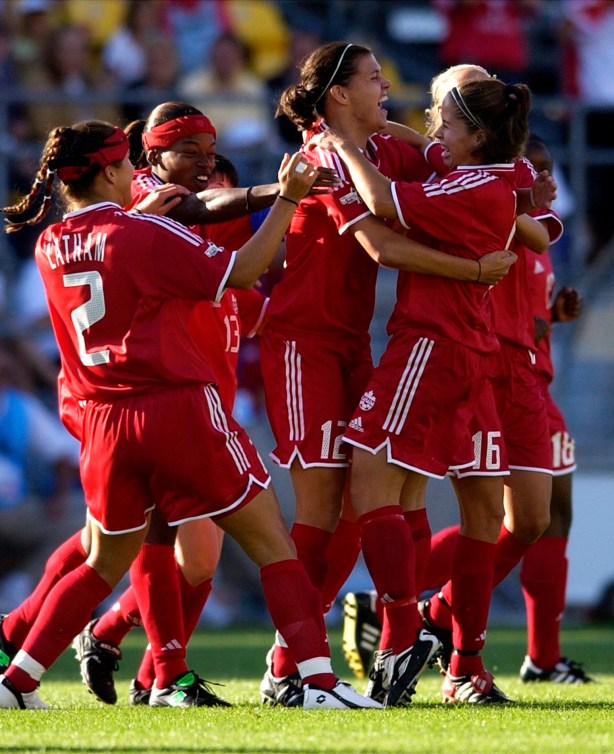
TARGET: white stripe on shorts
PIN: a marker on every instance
(408, 384)
(220, 423)
(294, 391)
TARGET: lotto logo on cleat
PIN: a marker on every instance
(367, 401)
(351, 196)
(321, 699)
(356, 424)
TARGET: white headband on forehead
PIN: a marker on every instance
(462, 106)
(335, 72)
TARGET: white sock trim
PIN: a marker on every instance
(29, 665)
(314, 666)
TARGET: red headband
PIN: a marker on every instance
(166, 134)
(116, 147)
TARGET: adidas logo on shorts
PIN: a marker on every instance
(357, 424)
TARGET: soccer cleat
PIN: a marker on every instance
(443, 634)
(285, 691)
(404, 670)
(98, 660)
(188, 690)
(472, 689)
(137, 694)
(341, 696)
(10, 698)
(361, 631)
(377, 688)
(565, 671)
(7, 650)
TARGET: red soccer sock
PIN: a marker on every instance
(68, 556)
(63, 615)
(341, 556)
(155, 582)
(296, 610)
(193, 600)
(471, 591)
(311, 543)
(420, 529)
(123, 616)
(544, 580)
(389, 554)
(441, 557)
(510, 551)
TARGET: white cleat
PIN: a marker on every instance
(341, 696)
(10, 698)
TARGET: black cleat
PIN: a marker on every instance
(286, 691)
(404, 670)
(565, 671)
(188, 690)
(443, 634)
(137, 694)
(98, 660)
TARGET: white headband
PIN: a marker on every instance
(335, 72)
(462, 106)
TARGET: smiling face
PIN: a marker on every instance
(189, 162)
(367, 90)
(461, 145)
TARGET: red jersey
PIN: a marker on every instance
(468, 213)
(541, 289)
(109, 276)
(510, 299)
(216, 329)
(328, 284)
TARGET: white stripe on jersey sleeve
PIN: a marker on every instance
(172, 225)
(452, 187)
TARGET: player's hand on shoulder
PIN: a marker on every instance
(162, 199)
(296, 177)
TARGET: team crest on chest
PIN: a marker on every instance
(367, 401)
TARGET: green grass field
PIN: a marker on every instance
(547, 719)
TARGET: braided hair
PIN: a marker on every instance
(66, 146)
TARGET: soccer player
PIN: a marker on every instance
(543, 574)
(415, 418)
(216, 329)
(315, 352)
(153, 421)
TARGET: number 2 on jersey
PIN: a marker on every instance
(84, 316)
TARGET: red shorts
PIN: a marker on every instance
(175, 449)
(563, 445)
(311, 387)
(522, 408)
(420, 403)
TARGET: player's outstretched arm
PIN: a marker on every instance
(296, 177)
(395, 250)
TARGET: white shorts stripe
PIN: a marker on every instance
(220, 423)
(408, 384)
(294, 392)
